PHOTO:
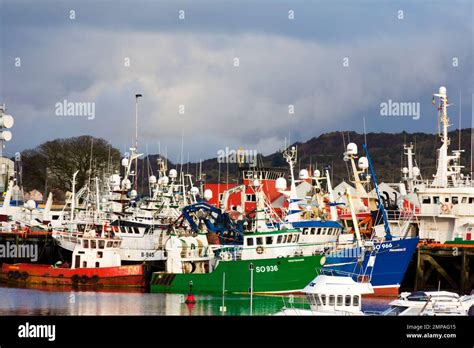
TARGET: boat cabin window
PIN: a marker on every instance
(259, 241)
(289, 238)
(471, 200)
(269, 240)
(116, 244)
(317, 299)
(436, 199)
(323, 231)
(323, 299)
(97, 265)
(279, 239)
(311, 299)
(93, 244)
(305, 231)
(101, 244)
(100, 254)
(109, 244)
(251, 198)
(455, 200)
(284, 238)
(355, 301)
(249, 241)
(339, 300)
(313, 230)
(137, 231)
(84, 264)
(85, 243)
(331, 300)
(348, 300)
(464, 200)
(446, 199)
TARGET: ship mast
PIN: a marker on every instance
(441, 177)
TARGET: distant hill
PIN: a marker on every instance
(386, 151)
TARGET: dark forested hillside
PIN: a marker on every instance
(386, 150)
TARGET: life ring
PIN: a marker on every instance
(226, 256)
(260, 250)
(95, 279)
(24, 275)
(84, 279)
(10, 274)
(75, 278)
(446, 207)
(16, 275)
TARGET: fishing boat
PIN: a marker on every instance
(309, 214)
(261, 259)
(143, 226)
(331, 295)
(431, 303)
(96, 264)
(446, 203)
(385, 260)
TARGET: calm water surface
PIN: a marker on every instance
(24, 301)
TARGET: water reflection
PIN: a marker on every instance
(26, 301)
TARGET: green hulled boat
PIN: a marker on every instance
(276, 275)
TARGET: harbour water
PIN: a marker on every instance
(25, 301)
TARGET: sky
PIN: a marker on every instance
(333, 63)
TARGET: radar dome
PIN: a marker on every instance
(6, 136)
(363, 163)
(317, 173)
(6, 121)
(173, 173)
(114, 180)
(133, 194)
(352, 149)
(405, 170)
(208, 194)
(416, 171)
(442, 90)
(256, 183)
(280, 184)
(152, 179)
(303, 174)
(165, 180)
(125, 162)
(194, 191)
(126, 184)
(30, 204)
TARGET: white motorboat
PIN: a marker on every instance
(331, 295)
(431, 303)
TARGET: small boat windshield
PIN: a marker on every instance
(395, 310)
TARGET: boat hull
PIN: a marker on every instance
(276, 275)
(385, 271)
(107, 277)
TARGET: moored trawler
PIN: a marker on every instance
(263, 259)
(276, 275)
(382, 260)
(96, 264)
(446, 213)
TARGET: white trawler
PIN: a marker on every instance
(447, 202)
(143, 227)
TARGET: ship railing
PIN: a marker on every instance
(361, 278)
(451, 184)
